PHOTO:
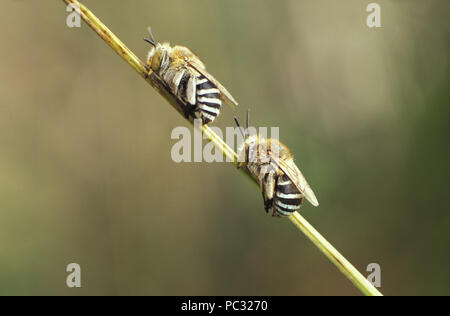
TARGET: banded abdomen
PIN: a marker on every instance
(287, 198)
(208, 100)
(196, 93)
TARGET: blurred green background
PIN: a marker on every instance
(86, 174)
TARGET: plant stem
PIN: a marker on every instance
(339, 261)
(330, 252)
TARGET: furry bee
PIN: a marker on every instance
(271, 163)
(186, 77)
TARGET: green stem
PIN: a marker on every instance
(330, 252)
(338, 260)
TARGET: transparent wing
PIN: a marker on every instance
(296, 176)
(227, 97)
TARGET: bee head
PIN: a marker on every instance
(157, 53)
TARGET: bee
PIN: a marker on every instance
(185, 76)
(271, 163)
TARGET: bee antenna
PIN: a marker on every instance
(149, 41)
(152, 39)
(248, 118)
(240, 128)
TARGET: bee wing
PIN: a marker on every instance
(227, 97)
(295, 175)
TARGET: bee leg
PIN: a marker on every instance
(195, 112)
(275, 214)
(268, 203)
(149, 71)
(187, 113)
(268, 188)
(185, 109)
(188, 110)
(204, 120)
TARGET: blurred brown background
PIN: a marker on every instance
(86, 174)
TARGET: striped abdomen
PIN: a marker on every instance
(208, 100)
(287, 198)
(196, 93)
